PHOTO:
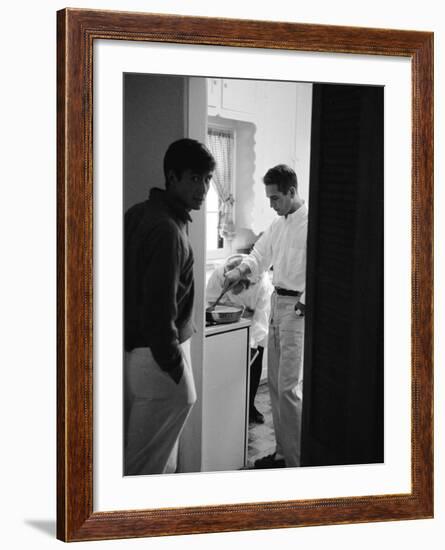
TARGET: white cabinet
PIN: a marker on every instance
(231, 98)
(225, 397)
(214, 86)
(238, 95)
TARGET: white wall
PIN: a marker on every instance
(303, 138)
(155, 116)
(276, 139)
(273, 126)
(28, 280)
(192, 435)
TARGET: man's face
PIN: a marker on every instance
(279, 201)
(190, 188)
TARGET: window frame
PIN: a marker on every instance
(228, 125)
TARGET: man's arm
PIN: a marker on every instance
(256, 263)
(159, 308)
(233, 276)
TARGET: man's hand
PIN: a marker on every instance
(177, 373)
(299, 309)
(232, 277)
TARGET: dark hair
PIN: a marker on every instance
(187, 154)
(282, 176)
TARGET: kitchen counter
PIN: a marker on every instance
(226, 327)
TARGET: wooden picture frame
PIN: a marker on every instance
(77, 31)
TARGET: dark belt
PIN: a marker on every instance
(285, 292)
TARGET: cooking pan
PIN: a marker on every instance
(224, 313)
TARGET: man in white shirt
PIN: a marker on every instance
(255, 297)
(283, 246)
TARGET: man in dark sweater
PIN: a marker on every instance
(158, 304)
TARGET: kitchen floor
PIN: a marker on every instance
(261, 436)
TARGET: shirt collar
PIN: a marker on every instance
(298, 213)
(175, 207)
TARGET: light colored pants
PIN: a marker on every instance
(285, 376)
(156, 411)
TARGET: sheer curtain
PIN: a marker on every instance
(221, 144)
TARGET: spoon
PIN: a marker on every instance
(212, 307)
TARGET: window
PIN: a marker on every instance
(214, 240)
(220, 198)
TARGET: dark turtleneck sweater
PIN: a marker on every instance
(158, 280)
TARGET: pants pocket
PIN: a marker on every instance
(145, 378)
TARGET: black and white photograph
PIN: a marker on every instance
(220, 233)
(253, 246)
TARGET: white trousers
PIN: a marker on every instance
(156, 411)
(285, 376)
